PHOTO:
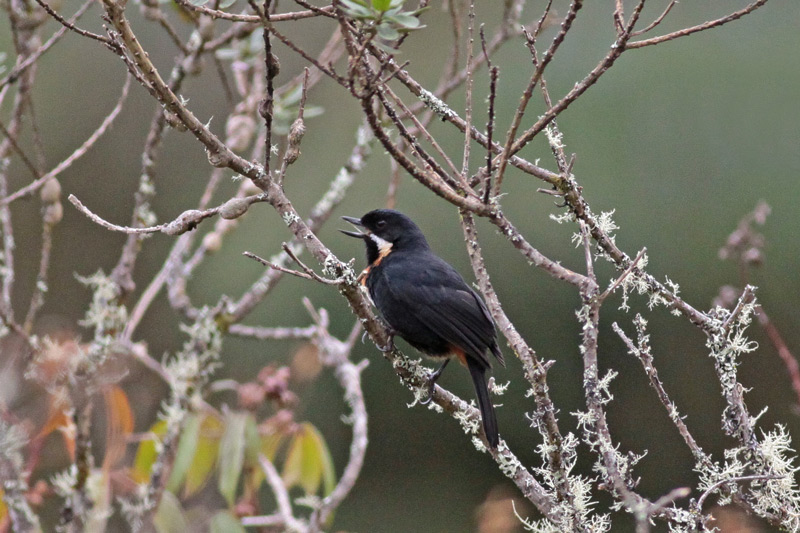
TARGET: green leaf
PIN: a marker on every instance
(169, 517)
(381, 5)
(146, 454)
(225, 522)
(405, 20)
(387, 32)
(356, 9)
(252, 442)
(268, 447)
(226, 3)
(231, 455)
(184, 455)
(308, 461)
(205, 456)
(300, 468)
(198, 2)
(227, 54)
(326, 461)
(270, 444)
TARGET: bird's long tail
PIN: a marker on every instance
(484, 403)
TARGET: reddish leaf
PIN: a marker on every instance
(119, 424)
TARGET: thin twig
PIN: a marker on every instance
(186, 221)
(535, 370)
(644, 516)
(15, 72)
(622, 277)
(97, 219)
(539, 68)
(789, 360)
(657, 21)
(700, 27)
(422, 130)
(255, 19)
(468, 89)
(494, 73)
(281, 494)
(77, 154)
(273, 333)
(305, 275)
(288, 249)
(720, 483)
(37, 298)
(67, 24)
(21, 153)
(643, 352)
(336, 354)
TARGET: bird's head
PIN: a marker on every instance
(384, 231)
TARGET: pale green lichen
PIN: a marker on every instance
(189, 371)
(563, 218)
(634, 282)
(145, 216)
(105, 316)
(498, 389)
(607, 225)
(336, 270)
(290, 218)
(436, 105)
(554, 137)
(135, 508)
(603, 387)
(469, 423)
(63, 482)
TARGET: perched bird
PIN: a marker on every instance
(427, 302)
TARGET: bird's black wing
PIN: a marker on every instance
(446, 306)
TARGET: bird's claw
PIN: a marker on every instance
(384, 349)
(389, 346)
(432, 382)
(429, 399)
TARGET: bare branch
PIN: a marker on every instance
(657, 21)
(468, 96)
(539, 67)
(186, 221)
(309, 274)
(718, 484)
(69, 25)
(644, 354)
(622, 277)
(255, 19)
(789, 360)
(263, 333)
(77, 154)
(281, 495)
(700, 27)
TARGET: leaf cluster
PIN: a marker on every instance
(384, 18)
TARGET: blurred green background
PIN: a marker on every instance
(681, 139)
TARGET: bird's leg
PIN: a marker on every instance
(432, 382)
(389, 345)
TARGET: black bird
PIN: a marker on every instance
(427, 302)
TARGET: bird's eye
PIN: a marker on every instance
(381, 224)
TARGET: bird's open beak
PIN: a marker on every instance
(357, 223)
